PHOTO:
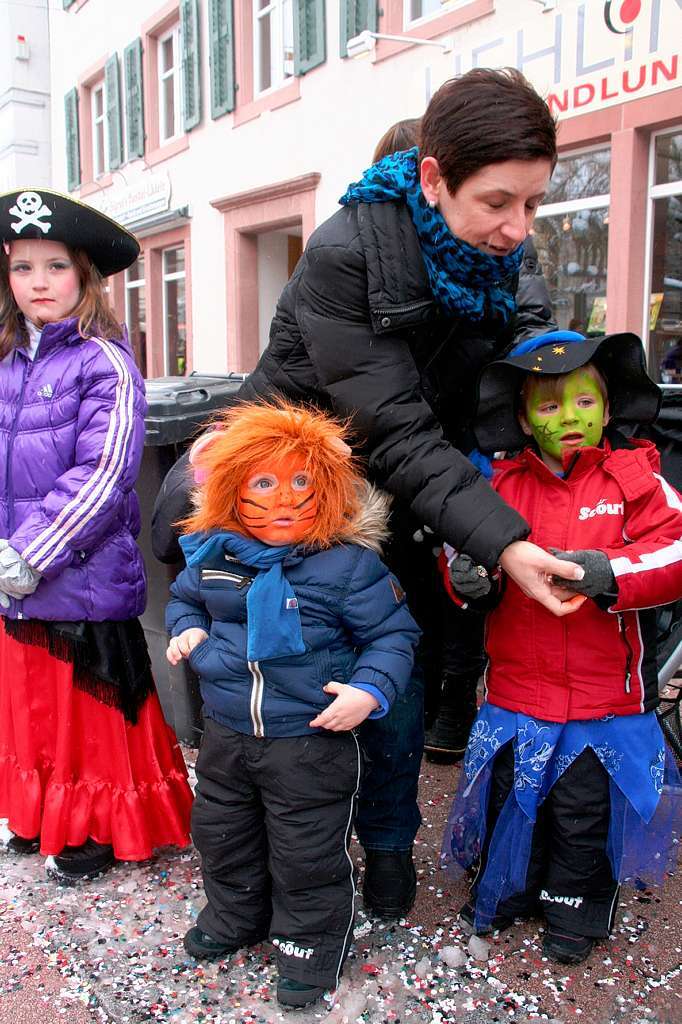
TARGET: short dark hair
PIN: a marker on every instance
(401, 135)
(486, 117)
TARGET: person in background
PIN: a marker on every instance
(400, 136)
(89, 770)
(568, 787)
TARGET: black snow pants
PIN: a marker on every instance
(272, 820)
(569, 873)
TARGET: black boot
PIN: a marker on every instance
(297, 994)
(446, 740)
(390, 884)
(203, 946)
(80, 863)
(566, 947)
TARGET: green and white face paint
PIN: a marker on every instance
(574, 418)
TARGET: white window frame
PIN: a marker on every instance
(99, 169)
(654, 192)
(176, 275)
(446, 7)
(130, 286)
(277, 10)
(175, 71)
(573, 205)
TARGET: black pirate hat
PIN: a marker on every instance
(42, 213)
(633, 396)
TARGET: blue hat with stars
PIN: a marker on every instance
(633, 396)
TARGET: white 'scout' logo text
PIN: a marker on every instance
(602, 508)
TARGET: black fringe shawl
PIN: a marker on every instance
(110, 659)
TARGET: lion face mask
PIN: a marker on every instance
(278, 502)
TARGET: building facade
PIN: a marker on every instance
(25, 154)
(223, 131)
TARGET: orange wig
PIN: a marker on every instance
(252, 434)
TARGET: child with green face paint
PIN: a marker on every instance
(564, 413)
(568, 787)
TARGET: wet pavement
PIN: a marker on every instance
(111, 951)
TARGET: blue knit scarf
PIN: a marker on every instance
(464, 280)
(273, 620)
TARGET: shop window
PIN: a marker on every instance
(571, 236)
(273, 38)
(170, 107)
(665, 274)
(174, 311)
(415, 10)
(136, 311)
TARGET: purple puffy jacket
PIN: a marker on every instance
(71, 441)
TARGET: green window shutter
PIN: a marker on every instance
(310, 44)
(221, 57)
(191, 71)
(134, 99)
(112, 98)
(73, 149)
(356, 16)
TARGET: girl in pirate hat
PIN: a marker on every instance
(568, 787)
(89, 770)
(298, 633)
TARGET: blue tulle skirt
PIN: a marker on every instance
(645, 795)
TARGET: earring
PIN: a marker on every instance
(432, 204)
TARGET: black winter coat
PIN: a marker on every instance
(357, 331)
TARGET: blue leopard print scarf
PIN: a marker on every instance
(464, 280)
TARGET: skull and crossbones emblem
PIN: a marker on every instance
(30, 208)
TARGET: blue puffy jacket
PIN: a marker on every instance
(355, 624)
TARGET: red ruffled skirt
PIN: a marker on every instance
(72, 768)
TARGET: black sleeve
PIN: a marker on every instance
(172, 503)
(373, 379)
(534, 313)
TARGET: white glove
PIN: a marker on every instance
(17, 578)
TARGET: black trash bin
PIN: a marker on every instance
(178, 408)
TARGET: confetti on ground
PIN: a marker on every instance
(115, 946)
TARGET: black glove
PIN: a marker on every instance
(598, 578)
(467, 579)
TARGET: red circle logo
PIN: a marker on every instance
(620, 15)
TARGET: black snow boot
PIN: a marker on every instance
(390, 884)
(80, 863)
(566, 947)
(203, 946)
(292, 993)
(446, 740)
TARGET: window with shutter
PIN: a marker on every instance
(221, 57)
(356, 16)
(112, 88)
(309, 35)
(73, 155)
(132, 67)
(191, 72)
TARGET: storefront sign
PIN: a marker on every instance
(147, 196)
(583, 56)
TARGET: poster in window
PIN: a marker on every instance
(597, 322)
(655, 303)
